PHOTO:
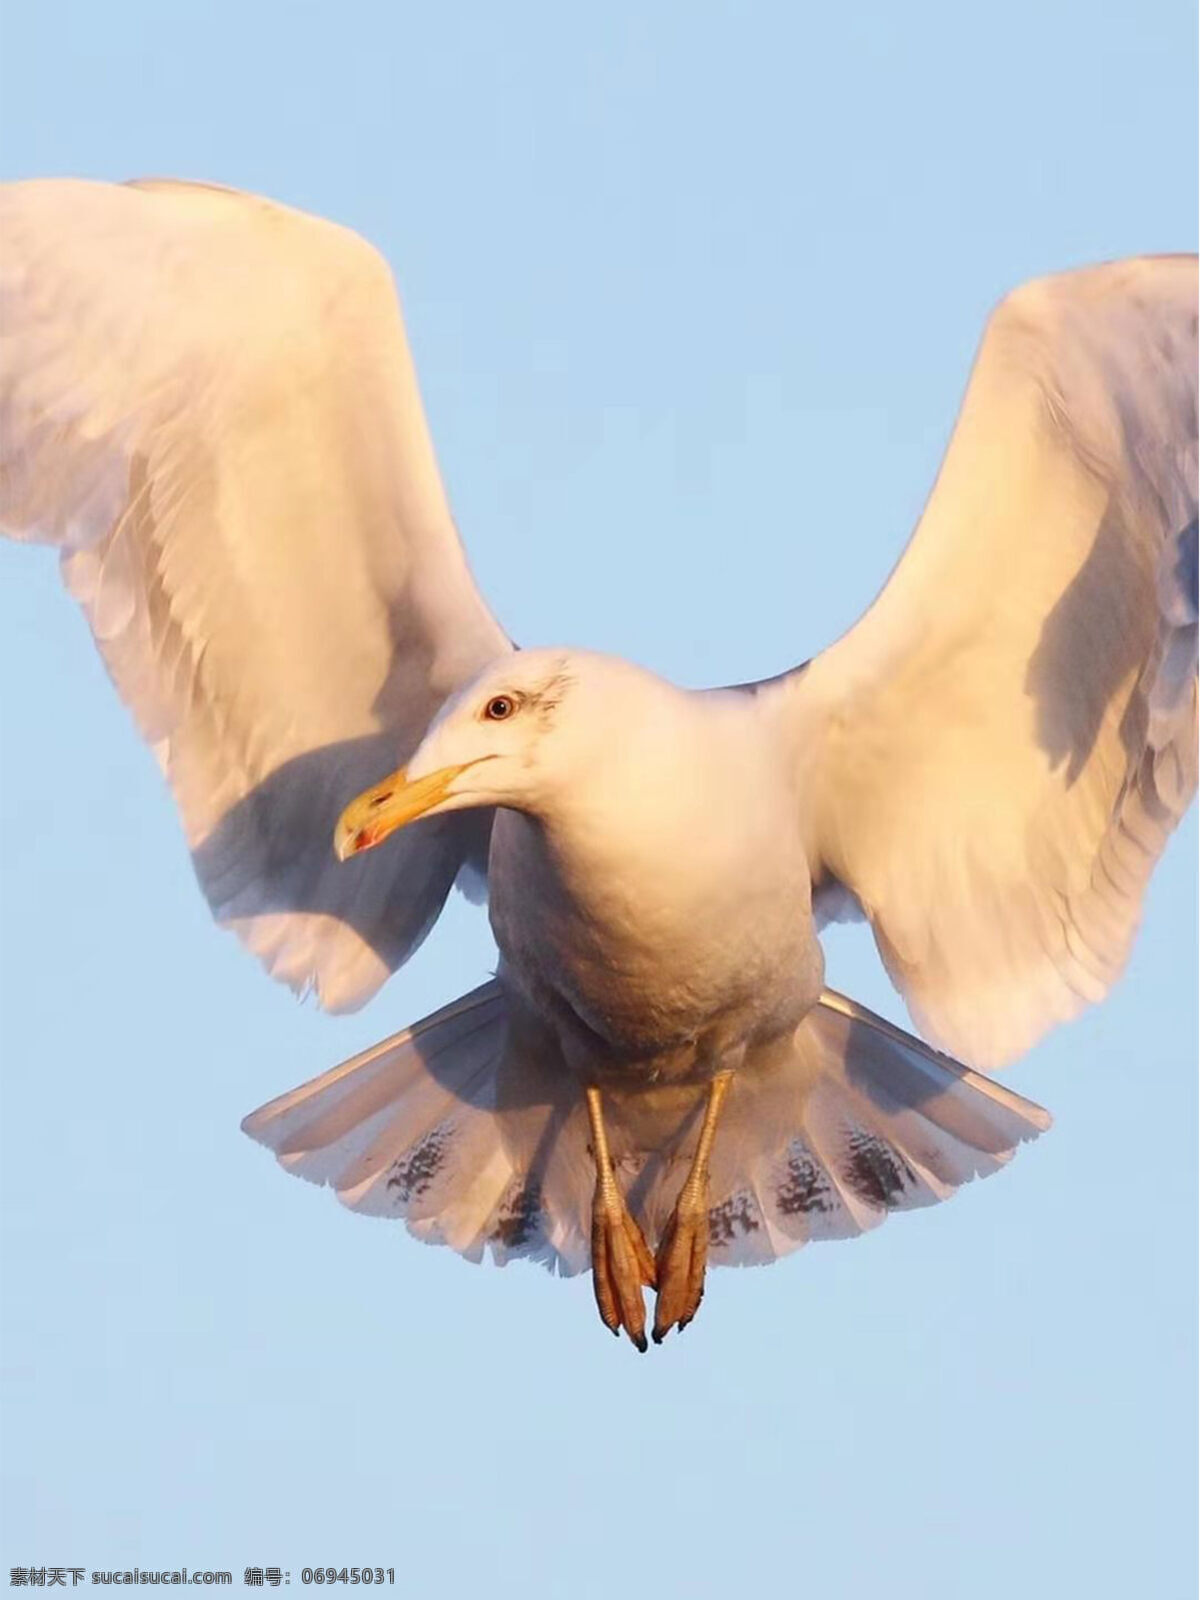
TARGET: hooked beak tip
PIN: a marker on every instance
(347, 842)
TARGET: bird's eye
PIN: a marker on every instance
(499, 707)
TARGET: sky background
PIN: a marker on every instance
(693, 291)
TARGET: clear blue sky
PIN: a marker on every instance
(675, 276)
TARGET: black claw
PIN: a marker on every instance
(658, 1336)
(639, 1343)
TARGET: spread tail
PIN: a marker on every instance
(478, 1137)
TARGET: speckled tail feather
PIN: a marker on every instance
(476, 1143)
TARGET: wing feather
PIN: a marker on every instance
(208, 404)
(995, 755)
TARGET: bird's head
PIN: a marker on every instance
(503, 740)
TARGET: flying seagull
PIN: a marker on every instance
(209, 406)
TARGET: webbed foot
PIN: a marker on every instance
(621, 1263)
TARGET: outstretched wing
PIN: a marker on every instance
(207, 402)
(993, 757)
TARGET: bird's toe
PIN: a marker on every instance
(682, 1258)
(621, 1267)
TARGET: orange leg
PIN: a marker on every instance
(621, 1261)
(683, 1253)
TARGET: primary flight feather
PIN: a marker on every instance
(208, 404)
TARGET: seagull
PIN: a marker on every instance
(207, 403)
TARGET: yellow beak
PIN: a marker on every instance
(392, 804)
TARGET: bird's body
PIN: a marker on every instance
(208, 405)
(647, 916)
(656, 950)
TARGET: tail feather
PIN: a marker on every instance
(856, 1118)
(473, 1132)
(444, 1125)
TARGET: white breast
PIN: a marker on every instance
(664, 901)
